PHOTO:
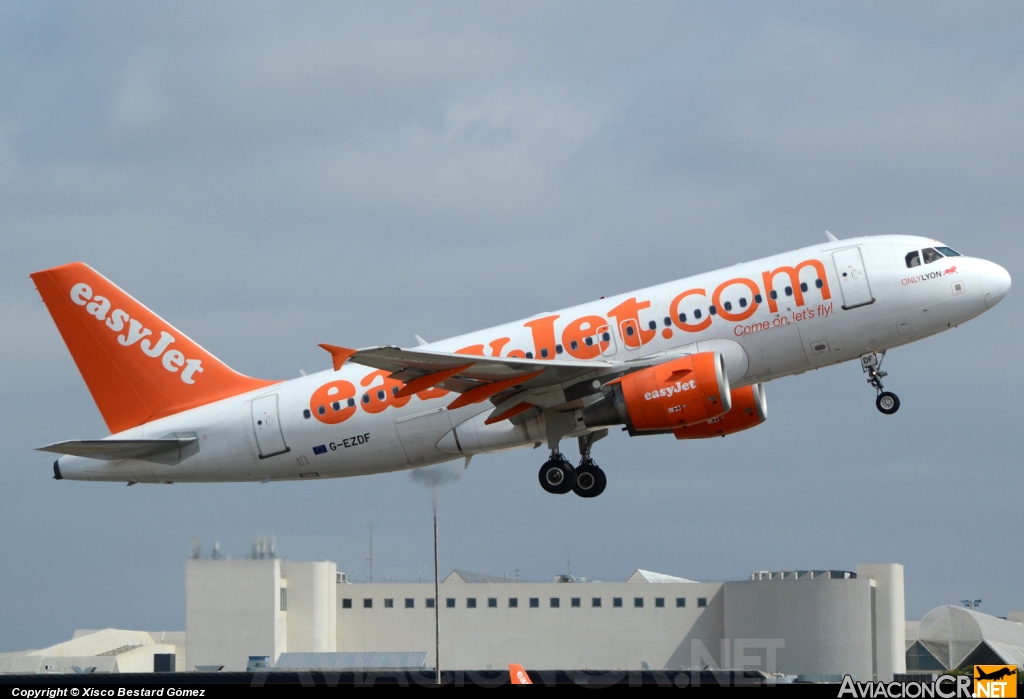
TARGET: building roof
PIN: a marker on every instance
(648, 576)
(951, 634)
(393, 660)
(467, 576)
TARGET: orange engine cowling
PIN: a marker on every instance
(749, 409)
(684, 391)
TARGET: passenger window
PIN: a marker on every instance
(668, 321)
(743, 303)
(335, 406)
(727, 305)
(696, 313)
(682, 317)
(948, 252)
(712, 310)
(931, 255)
(913, 259)
(306, 414)
(757, 298)
(575, 345)
(803, 286)
(789, 291)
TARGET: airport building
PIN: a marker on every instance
(812, 623)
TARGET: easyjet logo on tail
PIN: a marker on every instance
(132, 332)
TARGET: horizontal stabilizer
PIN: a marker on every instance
(113, 449)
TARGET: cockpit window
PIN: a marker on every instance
(913, 259)
(931, 255)
(948, 252)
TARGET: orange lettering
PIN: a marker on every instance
(576, 334)
(329, 403)
(742, 315)
(627, 314)
(380, 397)
(794, 280)
(543, 336)
(673, 311)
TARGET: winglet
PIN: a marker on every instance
(831, 237)
(339, 355)
(518, 675)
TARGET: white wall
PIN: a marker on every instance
(890, 617)
(231, 612)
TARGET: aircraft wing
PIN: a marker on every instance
(113, 449)
(515, 385)
(408, 364)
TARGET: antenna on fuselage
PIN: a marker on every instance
(831, 237)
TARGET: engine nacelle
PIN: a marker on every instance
(749, 409)
(684, 391)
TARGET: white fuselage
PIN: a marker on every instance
(881, 305)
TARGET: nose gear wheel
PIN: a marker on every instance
(886, 401)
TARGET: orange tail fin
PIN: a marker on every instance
(518, 674)
(137, 366)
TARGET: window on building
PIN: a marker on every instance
(430, 602)
(638, 601)
(450, 602)
(702, 601)
(534, 602)
(513, 602)
(389, 603)
(616, 601)
(659, 601)
(555, 602)
(471, 602)
(575, 601)
(913, 258)
(680, 601)
(284, 599)
(410, 603)
(346, 603)
(595, 602)
(367, 603)
(492, 602)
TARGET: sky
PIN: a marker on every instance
(268, 176)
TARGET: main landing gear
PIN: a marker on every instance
(886, 402)
(586, 480)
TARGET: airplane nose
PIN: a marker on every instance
(995, 281)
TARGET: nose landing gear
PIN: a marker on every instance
(886, 402)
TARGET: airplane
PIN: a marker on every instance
(517, 675)
(688, 358)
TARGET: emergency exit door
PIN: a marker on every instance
(267, 426)
(853, 278)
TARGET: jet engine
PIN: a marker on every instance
(749, 409)
(680, 392)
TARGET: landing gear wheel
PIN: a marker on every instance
(590, 480)
(887, 402)
(557, 475)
